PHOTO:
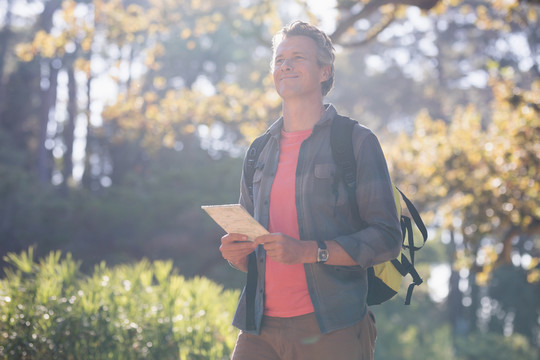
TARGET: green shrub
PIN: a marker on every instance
(50, 310)
(479, 346)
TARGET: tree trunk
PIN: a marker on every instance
(5, 36)
(48, 101)
(87, 178)
(46, 18)
(455, 297)
(69, 129)
(47, 96)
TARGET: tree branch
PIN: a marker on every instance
(369, 9)
(366, 11)
(373, 33)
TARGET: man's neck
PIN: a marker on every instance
(301, 114)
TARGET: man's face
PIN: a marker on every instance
(296, 69)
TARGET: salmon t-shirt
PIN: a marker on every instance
(286, 291)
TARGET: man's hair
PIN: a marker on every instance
(325, 49)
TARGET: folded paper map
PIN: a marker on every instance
(233, 218)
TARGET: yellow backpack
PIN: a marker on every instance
(384, 280)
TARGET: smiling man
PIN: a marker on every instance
(309, 299)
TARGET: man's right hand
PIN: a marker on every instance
(235, 248)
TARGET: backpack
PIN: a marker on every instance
(384, 280)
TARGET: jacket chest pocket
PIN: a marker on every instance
(327, 189)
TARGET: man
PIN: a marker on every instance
(310, 299)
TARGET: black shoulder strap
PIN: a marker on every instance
(342, 148)
(343, 153)
(417, 280)
(407, 231)
(417, 220)
(250, 164)
(251, 290)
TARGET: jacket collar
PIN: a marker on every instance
(329, 114)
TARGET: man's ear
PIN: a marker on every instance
(327, 70)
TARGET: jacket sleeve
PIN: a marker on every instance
(380, 240)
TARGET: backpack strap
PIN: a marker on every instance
(407, 229)
(250, 165)
(417, 280)
(251, 290)
(417, 220)
(343, 153)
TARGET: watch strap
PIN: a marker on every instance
(321, 244)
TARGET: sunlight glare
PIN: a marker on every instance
(438, 282)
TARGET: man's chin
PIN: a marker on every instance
(287, 92)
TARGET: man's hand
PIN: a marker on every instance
(287, 250)
(235, 248)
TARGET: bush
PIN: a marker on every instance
(416, 331)
(478, 346)
(50, 310)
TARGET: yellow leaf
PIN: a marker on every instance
(533, 276)
(83, 65)
(482, 278)
(150, 97)
(186, 33)
(160, 82)
(86, 44)
(152, 111)
(24, 52)
(534, 262)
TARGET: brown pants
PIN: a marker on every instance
(299, 338)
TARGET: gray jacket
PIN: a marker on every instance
(338, 293)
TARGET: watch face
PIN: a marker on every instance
(322, 255)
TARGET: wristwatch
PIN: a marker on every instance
(322, 252)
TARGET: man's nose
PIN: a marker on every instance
(287, 64)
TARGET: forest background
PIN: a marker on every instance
(119, 119)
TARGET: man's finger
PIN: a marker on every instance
(265, 239)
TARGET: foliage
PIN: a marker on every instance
(157, 122)
(418, 61)
(50, 310)
(419, 330)
(479, 179)
(505, 310)
(485, 175)
(154, 214)
(416, 331)
(152, 82)
(493, 346)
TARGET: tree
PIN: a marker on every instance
(186, 76)
(481, 183)
(437, 60)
